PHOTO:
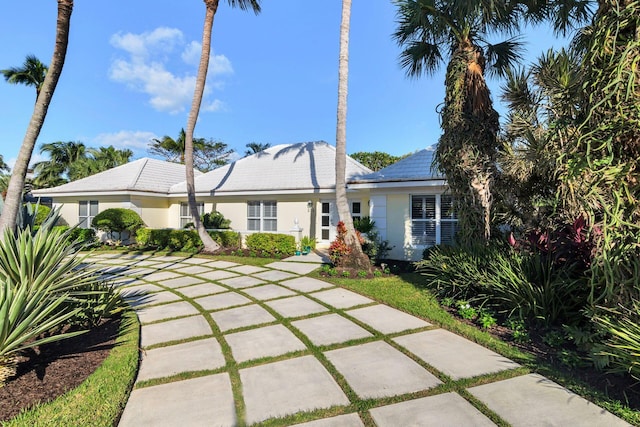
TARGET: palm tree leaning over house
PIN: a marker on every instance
(355, 258)
(468, 147)
(211, 7)
(16, 184)
(32, 73)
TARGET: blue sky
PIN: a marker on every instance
(131, 65)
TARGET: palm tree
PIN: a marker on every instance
(170, 149)
(432, 31)
(17, 182)
(255, 147)
(3, 165)
(62, 158)
(99, 160)
(32, 73)
(211, 7)
(355, 258)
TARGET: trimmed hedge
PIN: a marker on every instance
(84, 236)
(276, 244)
(117, 220)
(183, 240)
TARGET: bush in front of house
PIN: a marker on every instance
(83, 236)
(215, 220)
(272, 243)
(117, 220)
(183, 240)
(227, 239)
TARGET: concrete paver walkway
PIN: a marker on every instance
(227, 344)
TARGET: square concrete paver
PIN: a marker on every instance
(267, 292)
(386, 319)
(174, 330)
(168, 258)
(294, 267)
(376, 370)
(286, 387)
(341, 298)
(448, 409)
(219, 301)
(217, 274)
(190, 403)
(192, 269)
(306, 284)
(223, 264)
(196, 261)
(533, 400)
(247, 269)
(188, 357)
(179, 282)
(201, 289)
(162, 275)
(166, 311)
(240, 317)
(348, 420)
(242, 282)
(296, 306)
(263, 342)
(274, 275)
(154, 298)
(453, 355)
(140, 290)
(330, 329)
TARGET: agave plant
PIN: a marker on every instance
(38, 274)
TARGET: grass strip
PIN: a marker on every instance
(100, 399)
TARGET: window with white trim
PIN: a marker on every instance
(185, 213)
(87, 210)
(433, 220)
(262, 215)
(356, 210)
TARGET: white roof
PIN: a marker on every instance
(306, 166)
(416, 167)
(143, 175)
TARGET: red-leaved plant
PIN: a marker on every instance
(339, 248)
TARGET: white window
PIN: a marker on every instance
(185, 214)
(262, 215)
(87, 210)
(433, 220)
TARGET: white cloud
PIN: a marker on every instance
(214, 106)
(35, 158)
(135, 140)
(146, 68)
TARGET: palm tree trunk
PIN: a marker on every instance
(211, 7)
(355, 258)
(18, 176)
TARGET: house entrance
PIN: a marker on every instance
(328, 221)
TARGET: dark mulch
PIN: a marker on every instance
(51, 370)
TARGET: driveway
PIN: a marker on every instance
(226, 344)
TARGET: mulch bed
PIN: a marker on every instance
(50, 370)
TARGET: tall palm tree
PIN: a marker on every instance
(431, 32)
(32, 73)
(99, 160)
(355, 258)
(17, 182)
(211, 8)
(170, 149)
(62, 158)
(255, 147)
(207, 155)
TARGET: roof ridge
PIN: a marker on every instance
(137, 177)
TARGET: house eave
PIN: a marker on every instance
(398, 184)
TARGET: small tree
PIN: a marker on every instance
(118, 220)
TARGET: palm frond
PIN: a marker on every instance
(504, 55)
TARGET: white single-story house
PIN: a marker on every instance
(288, 188)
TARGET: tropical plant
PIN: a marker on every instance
(99, 160)
(208, 155)
(211, 8)
(3, 165)
(430, 32)
(32, 73)
(215, 220)
(62, 157)
(39, 274)
(622, 348)
(17, 182)
(352, 256)
(255, 147)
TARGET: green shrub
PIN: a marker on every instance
(623, 345)
(216, 221)
(275, 244)
(117, 220)
(85, 237)
(227, 239)
(41, 214)
(364, 225)
(307, 242)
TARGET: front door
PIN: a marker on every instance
(328, 221)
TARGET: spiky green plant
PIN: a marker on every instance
(38, 274)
